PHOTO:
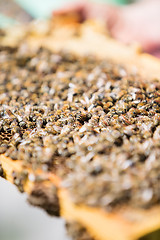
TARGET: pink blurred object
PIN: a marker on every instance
(138, 22)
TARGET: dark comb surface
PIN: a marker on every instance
(86, 120)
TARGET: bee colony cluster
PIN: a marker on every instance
(88, 121)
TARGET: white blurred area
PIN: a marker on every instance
(20, 221)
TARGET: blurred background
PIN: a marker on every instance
(14, 11)
(129, 21)
(20, 221)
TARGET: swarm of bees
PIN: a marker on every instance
(86, 120)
